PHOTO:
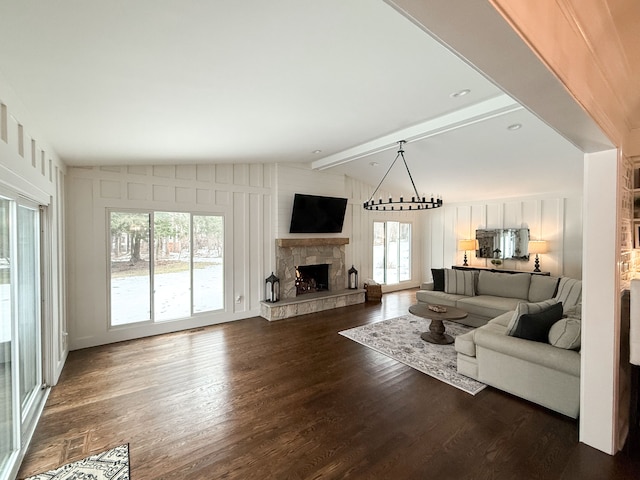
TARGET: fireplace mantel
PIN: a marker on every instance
(311, 242)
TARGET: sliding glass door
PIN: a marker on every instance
(20, 325)
(391, 252)
(165, 266)
(28, 308)
(7, 425)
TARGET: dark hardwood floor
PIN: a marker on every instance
(294, 400)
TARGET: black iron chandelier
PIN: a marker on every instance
(416, 202)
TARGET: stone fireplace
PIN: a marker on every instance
(312, 254)
(292, 253)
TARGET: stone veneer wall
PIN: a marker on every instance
(310, 251)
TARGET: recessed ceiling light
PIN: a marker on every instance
(515, 126)
(374, 164)
(315, 152)
(460, 93)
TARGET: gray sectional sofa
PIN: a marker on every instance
(546, 371)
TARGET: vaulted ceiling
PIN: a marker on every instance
(332, 84)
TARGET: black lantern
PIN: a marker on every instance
(353, 278)
(272, 288)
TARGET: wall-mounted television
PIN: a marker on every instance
(317, 214)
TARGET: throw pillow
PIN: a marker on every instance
(525, 308)
(575, 311)
(536, 326)
(569, 291)
(438, 279)
(565, 333)
(542, 287)
(459, 282)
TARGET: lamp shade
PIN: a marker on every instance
(538, 246)
(467, 244)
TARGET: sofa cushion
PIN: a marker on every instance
(512, 285)
(502, 320)
(487, 306)
(524, 308)
(438, 279)
(565, 333)
(543, 287)
(439, 298)
(536, 326)
(569, 292)
(459, 282)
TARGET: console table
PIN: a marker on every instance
(499, 270)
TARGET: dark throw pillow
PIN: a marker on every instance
(536, 326)
(438, 279)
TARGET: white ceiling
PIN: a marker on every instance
(175, 81)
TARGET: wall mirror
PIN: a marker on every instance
(503, 243)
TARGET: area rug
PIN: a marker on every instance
(112, 464)
(399, 338)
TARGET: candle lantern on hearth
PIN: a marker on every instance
(353, 278)
(272, 288)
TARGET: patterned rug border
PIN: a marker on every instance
(111, 464)
(466, 384)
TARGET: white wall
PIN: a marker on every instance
(30, 168)
(600, 312)
(240, 192)
(557, 220)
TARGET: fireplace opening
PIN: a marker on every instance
(312, 278)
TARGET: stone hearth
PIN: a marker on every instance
(310, 303)
(293, 252)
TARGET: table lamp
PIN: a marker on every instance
(537, 246)
(465, 245)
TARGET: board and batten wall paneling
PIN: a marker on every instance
(239, 245)
(572, 228)
(512, 213)
(268, 254)
(557, 220)
(463, 231)
(435, 233)
(241, 193)
(359, 251)
(296, 178)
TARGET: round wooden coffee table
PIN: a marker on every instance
(436, 329)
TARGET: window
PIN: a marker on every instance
(391, 252)
(165, 265)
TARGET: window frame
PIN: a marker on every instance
(151, 242)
